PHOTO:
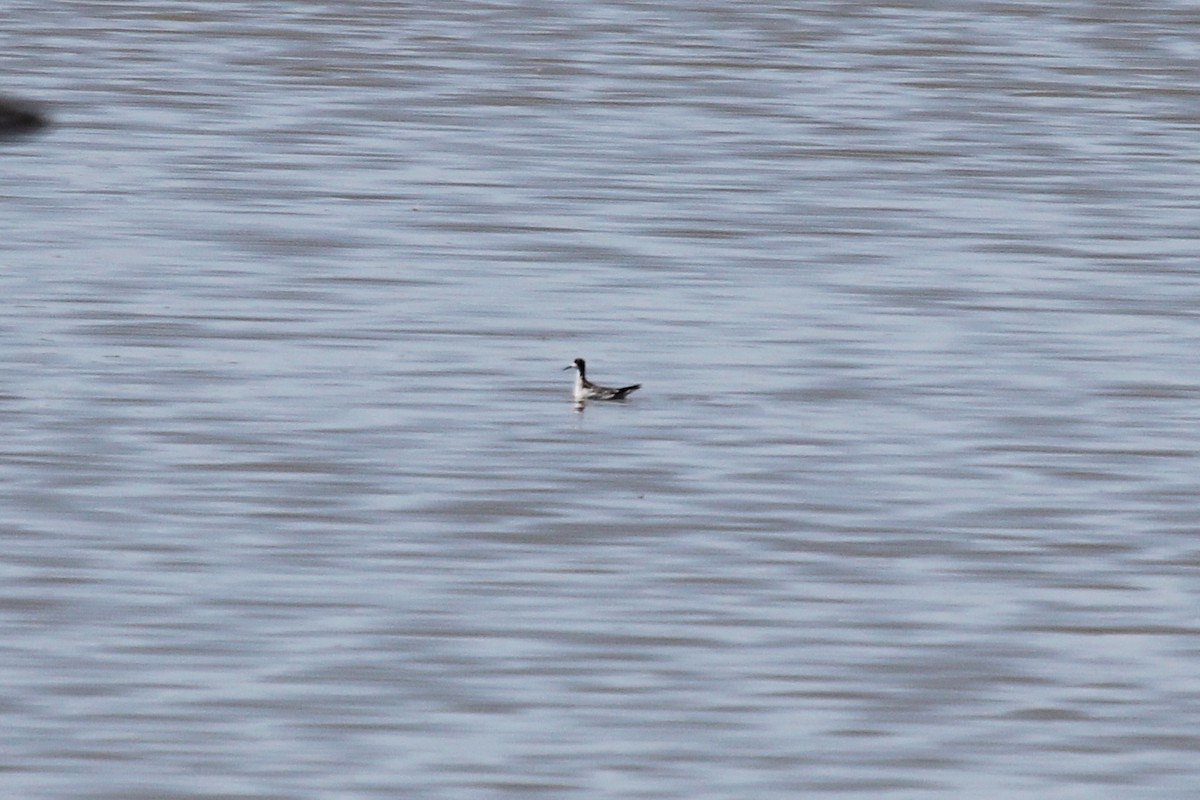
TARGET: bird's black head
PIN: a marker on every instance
(578, 364)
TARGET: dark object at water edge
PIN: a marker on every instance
(17, 118)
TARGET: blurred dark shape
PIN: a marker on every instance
(18, 118)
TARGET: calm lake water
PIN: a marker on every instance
(294, 502)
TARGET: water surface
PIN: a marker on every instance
(294, 502)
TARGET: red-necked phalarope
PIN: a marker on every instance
(586, 390)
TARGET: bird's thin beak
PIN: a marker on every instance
(567, 367)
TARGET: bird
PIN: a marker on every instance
(586, 390)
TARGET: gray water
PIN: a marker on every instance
(294, 502)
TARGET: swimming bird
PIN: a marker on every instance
(586, 390)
